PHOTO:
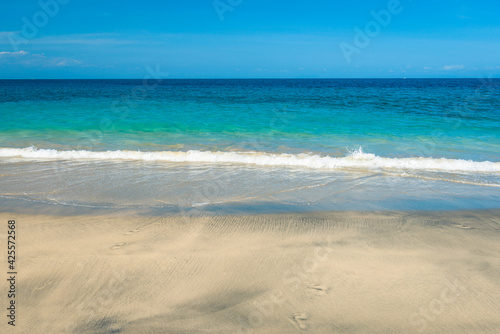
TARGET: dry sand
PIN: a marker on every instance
(338, 272)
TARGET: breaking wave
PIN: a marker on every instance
(356, 159)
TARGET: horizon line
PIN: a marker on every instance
(250, 78)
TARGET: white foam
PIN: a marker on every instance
(356, 160)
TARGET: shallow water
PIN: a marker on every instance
(248, 144)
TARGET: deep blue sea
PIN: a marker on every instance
(251, 145)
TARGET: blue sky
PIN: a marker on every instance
(249, 38)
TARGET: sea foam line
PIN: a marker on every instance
(356, 159)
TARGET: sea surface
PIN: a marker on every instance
(250, 145)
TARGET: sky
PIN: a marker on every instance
(56, 39)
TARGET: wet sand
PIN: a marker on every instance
(336, 272)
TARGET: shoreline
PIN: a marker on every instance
(11, 205)
(345, 272)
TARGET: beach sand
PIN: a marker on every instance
(337, 272)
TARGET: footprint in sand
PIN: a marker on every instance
(43, 286)
(141, 228)
(132, 231)
(318, 289)
(464, 227)
(299, 320)
(118, 245)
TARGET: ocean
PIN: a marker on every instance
(250, 145)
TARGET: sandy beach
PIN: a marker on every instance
(339, 272)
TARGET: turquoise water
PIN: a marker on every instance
(296, 144)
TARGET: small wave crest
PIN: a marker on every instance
(355, 160)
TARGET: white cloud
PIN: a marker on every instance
(18, 53)
(26, 58)
(67, 62)
(453, 67)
